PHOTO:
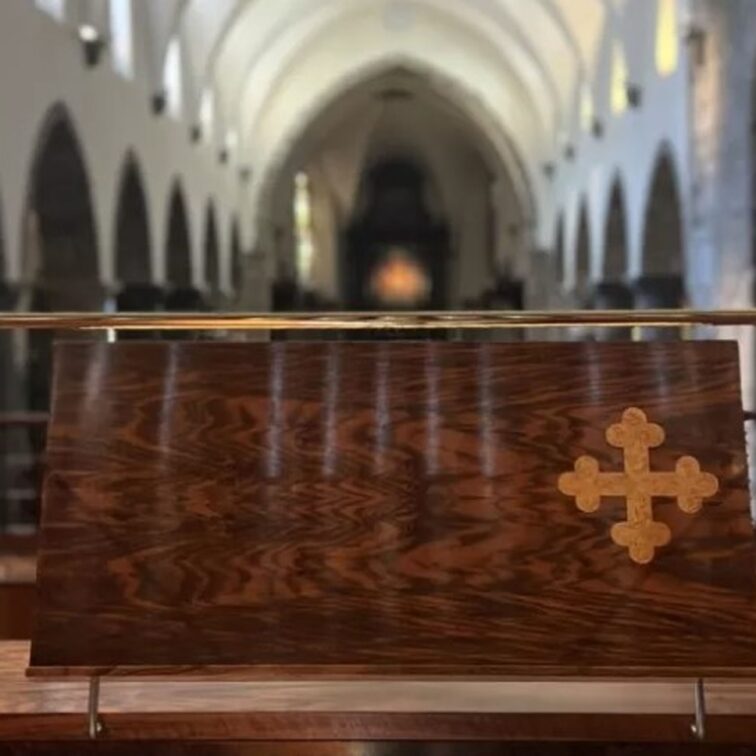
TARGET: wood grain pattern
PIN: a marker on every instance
(384, 509)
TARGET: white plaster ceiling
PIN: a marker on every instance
(273, 64)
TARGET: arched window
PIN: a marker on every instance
(54, 8)
(207, 114)
(667, 38)
(122, 37)
(587, 109)
(173, 82)
(303, 226)
(620, 78)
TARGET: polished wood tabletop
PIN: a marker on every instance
(387, 509)
(361, 717)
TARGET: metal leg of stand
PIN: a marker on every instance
(698, 728)
(94, 725)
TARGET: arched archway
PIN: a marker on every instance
(60, 252)
(661, 284)
(615, 238)
(559, 242)
(393, 114)
(59, 202)
(236, 257)
(582, 254)
(182, 295)
(211, 250)
(663, 253)
(612, 291)
(132, 243)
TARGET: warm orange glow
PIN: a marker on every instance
(400, 281)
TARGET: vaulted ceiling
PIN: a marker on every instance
(517, 66)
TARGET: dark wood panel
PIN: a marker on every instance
(365, 728)
(385, 509)
(357, 748)
(17, 605)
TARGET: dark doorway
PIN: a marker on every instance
(62, 249)
(661, 284)
(182, 295)
(663, 253)
(583, 254)
(395, 255)
(212, 262)
(615, 249)
(236, 258)
(132, 244)
(559, 251)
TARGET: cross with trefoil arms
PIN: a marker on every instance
(640, 534)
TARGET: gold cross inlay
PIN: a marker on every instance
(640, 534)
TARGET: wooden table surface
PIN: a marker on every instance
(191, 710)
(385, 509)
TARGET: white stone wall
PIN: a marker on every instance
(41, 66)
(274, 66)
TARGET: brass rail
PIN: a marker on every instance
(376, 321)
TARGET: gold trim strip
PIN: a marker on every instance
(376, 321)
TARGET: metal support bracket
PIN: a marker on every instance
(94, 725)
(698, 728)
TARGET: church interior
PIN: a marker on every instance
(345, 158)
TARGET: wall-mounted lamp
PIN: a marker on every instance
(159, 102)
(634, 95)
(695, 39)
(92, 42)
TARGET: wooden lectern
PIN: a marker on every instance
(385, 515)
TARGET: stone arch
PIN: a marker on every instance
(615, 236)
(583, 250)
(133, 251)
(612, 291)
(182, 294)
(661, 284)
(559, 245)
(60, 240)
(663, 245)
(62, 254)
(211, 251)
(178, 253)
(133, 248)
(236, 256)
